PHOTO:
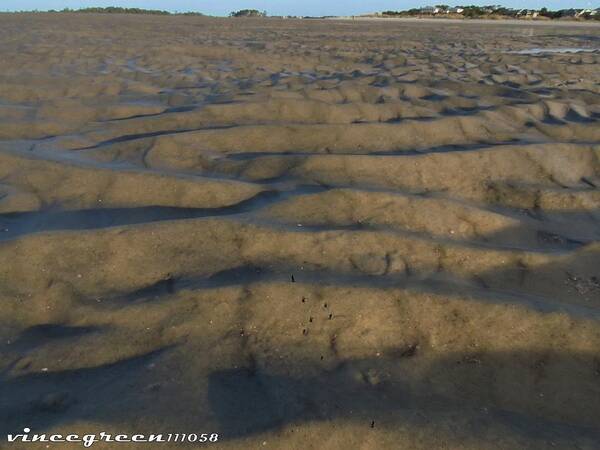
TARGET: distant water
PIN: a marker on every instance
(538, 51)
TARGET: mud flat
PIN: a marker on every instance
(570, 23)
(300, 234)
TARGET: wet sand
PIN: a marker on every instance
(554, 23)
(300, 234)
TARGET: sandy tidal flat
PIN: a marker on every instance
(300, 234)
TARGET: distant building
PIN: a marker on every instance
(529, 13)
(587, 12)
(569, 12)
(456, 10)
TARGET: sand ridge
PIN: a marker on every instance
(300, 234)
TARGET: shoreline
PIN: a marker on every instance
(565, 23)
(526, 22)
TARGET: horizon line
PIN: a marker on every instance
(134, 10)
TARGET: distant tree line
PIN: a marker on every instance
(119, 10)
(248, 13)
(473, 11)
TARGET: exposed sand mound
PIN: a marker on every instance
(300, 234)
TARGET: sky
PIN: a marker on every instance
(282, 7)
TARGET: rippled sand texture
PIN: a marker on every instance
(300, 234)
